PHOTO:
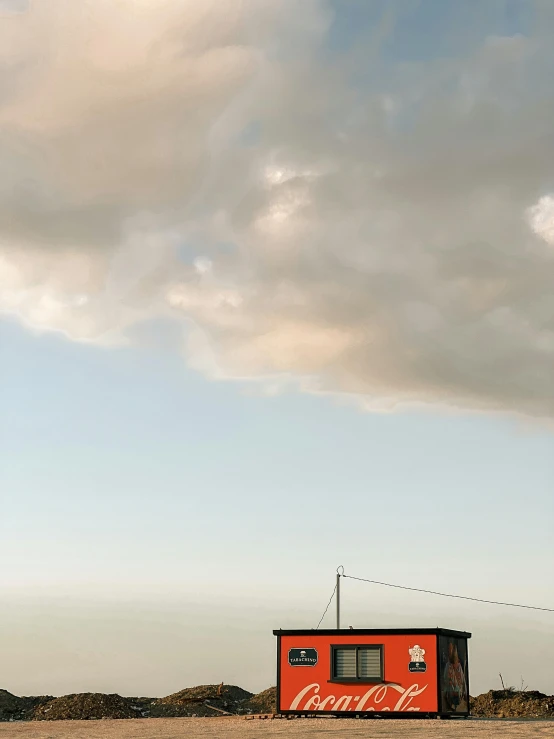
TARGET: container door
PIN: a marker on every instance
(453, 675)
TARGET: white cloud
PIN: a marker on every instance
(541, 218)
(388, 241)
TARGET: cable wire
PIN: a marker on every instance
(328, 604)
(444, 595)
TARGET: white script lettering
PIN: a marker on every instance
(379, 696)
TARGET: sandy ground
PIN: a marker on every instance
(191, 728)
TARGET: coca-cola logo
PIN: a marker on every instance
(306, 657)
(390, 697)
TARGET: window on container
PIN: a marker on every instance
(357, 663)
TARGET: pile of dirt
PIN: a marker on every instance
(15, 708)
(216, 700)
(202, 700)
(10, 706)
(264, 702)
(86, 706)
(513, 704)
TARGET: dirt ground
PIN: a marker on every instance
(237, 728)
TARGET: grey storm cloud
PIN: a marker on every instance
(388, 236)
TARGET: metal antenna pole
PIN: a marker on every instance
(338, 594)
(338, 601)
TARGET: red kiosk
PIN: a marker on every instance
(373, 672)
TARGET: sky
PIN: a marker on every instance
(275, 296)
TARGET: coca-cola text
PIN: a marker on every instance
(387, 697)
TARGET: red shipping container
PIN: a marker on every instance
(369, 672)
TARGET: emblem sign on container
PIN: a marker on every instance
(303, 657)
(417, 659)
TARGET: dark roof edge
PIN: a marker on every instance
(371, 632)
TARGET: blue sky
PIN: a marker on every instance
(193, 435)
(419, 30)
(130, 479)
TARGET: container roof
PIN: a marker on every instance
(371, 632)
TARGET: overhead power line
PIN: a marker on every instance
(444, 595)
(328, 604)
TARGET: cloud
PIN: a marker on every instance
(541, 218)
(386, 236)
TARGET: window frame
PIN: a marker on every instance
(356, 647)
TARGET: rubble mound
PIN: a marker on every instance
(217, 700)
(264, 702)
(202, 700)
(15, 708)
(513, 704)
(10, 706)
(86, 706)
